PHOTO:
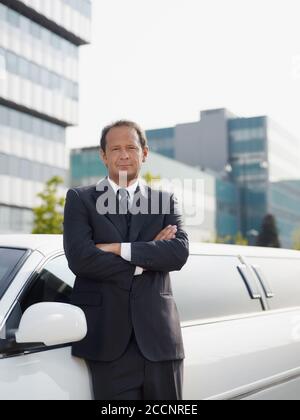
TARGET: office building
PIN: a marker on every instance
(39, 44)
(259, 157)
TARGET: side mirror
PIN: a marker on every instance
(52, 324)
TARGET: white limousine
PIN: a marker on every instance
(239, 309)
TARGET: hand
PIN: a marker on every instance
(167, 233)
(113, 248)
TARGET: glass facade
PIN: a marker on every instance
(86, 166)
(248, 149)
(14, 219)
(228, 218)
(39, 68)
(284, 204)
(265, 162)
(284, 154)
(39, 75)
(254, 206)
(73, 15)
(162, 141)
(248, 156)
(38, 99)
(284, 189)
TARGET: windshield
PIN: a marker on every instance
(9, 259)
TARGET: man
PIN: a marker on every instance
(122, 259)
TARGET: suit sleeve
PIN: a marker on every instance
(164, 255)
(84, 258)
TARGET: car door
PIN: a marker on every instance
(235, 346)
(35, 371)
(220, 319)
(280, 275)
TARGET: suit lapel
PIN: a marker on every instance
(137, 220)
(118, 221)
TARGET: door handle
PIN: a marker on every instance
(250, 281)
(260, 275)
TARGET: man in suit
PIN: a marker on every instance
(121, 239)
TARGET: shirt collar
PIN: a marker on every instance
(131, 189)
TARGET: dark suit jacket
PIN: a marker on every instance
(112, 298)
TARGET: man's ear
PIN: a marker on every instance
(145, 153)
(102, 156)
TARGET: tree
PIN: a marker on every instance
(149, 178)
(240, 240)
(296, 240)
(269, 236)
(223, 240)
(48, 217)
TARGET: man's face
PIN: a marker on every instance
(124, 153)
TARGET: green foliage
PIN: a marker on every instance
(296, 239)
(223, 240)
(48, 217)
(238, 239)
(150, 178)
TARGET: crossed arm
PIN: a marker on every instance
(102, 262)
(168, 251)
(166, 234)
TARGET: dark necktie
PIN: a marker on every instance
(123, 209)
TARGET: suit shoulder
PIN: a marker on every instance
(83, 191)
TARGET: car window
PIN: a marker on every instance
(53, 284)
(9, 260)
(211, 287)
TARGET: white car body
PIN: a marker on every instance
(241, 327)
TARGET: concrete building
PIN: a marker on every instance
(203, 144)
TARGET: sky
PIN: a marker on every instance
(160, 62)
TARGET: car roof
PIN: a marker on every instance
(47, 244)
(238, 250)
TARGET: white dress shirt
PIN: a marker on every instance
(126, 247)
